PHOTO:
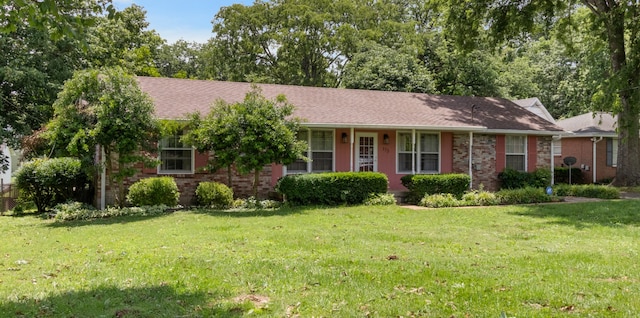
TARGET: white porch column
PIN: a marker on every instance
(351, 143)
(413, 151)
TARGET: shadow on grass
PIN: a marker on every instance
(111, 301)
(603, 213)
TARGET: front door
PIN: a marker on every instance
(366, 152)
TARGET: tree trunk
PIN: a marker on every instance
(628, 167)
(256, 181)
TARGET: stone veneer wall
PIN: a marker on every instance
(544, 152)
(187, 184)
(484, 159)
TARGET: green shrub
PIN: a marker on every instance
(252, 204)
(331, 188)
(523, 195)
(513, 179)
(214, 194)
(154, 191)
(420, 185)
(480, 198)
(561, 175)
(74, 211)
(587, 191)
(380, 199)
(50, 181)
(442, 200)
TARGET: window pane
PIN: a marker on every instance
(322, 140)
(298, 166)
(404, 142)
(176, 160)
(516, 162)
(429, 163)
(515, 144)
(404, 162)
(429, 143)
(322, 161)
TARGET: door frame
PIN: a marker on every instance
(358, 135)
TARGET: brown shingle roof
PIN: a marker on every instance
(174, 98)
(590, 124)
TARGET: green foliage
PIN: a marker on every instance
(380, 199)
(523, 196)
(513, 179)
(84, 119)
(251, 203)
(154, 191)
(561, 175)
(51, 181)
(331, 188)
(214, 194)
(420, 185)
(440, 200)
(480, 198)
(587, 191)
(74, 211)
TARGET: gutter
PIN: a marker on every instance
(595, 141)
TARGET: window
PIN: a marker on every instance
(320, 152)
(557, 147)
(426, 156)
(516, 152)
(612, 152)
(175, 156)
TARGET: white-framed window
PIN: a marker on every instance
(426, 155)
(175, 156)
(320, 152)
(557, 147)
(516, 151)
(612, 152)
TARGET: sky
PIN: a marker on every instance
(189, 20)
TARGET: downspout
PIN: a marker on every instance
(351, 149)
(471, 160)
(593, 167)
(413, 151)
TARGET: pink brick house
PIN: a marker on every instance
(394, 133)
(592, 139)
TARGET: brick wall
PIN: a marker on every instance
(484, 159)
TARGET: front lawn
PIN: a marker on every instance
(577, 259)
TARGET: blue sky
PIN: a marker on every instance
(185, 19)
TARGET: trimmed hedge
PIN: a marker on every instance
(587, 191)
(513, 179)
(154, 191)
(214, 194)
(48, 182)
(420, 185)
(523, 196)
(331, 188)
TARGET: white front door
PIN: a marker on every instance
(366, 152)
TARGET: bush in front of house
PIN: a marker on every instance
(523, 196)
(513, 179)
(561, 175)
(154, 191)
(420, 185)
(380, 199)
(587, 191)
(47, 182)
(440, 200)
(214, 194)
(480, 198)
(75, 211)
(331, 188)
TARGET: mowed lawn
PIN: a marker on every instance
(575, 260)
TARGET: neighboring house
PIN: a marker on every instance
(535, 106)
(592, 139)
(394, 133)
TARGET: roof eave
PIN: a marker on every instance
(395, 127)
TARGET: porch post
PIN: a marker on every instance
(352, 141)
(103, 180)
(471, 160)
(552, 163)
(593, 167)
(413, 151)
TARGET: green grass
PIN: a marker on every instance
(573, 260)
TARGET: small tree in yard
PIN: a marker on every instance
(104, 108)
(250, 134)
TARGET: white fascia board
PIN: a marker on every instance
(523, 132)
(396, 127)
(588, 135)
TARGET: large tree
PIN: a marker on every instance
(104, 108)
(616, 22)
(249, 135)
